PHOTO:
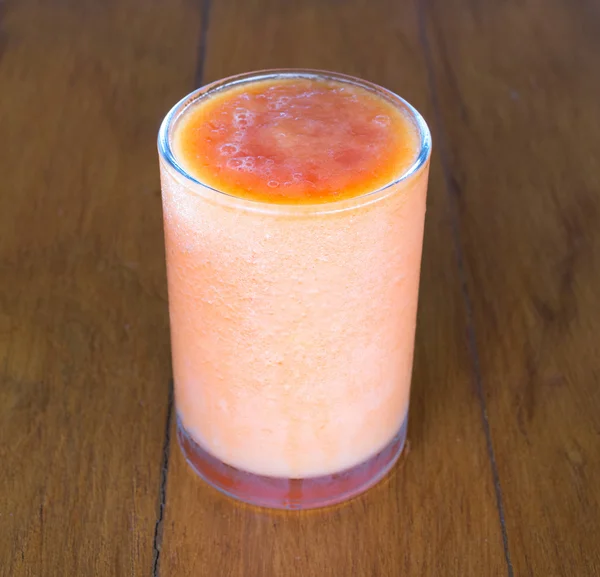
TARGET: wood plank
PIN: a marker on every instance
(437, 514)
(84, 349)
(518, 86)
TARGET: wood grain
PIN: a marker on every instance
(517, 85)
(84, 350)
(437, 514)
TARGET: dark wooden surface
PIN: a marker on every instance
(502, 474)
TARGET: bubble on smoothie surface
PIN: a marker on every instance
(243, 163)
(382, 120)
(229, 149)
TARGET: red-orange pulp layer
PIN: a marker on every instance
(296, 141)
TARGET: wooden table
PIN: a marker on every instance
(502, 475)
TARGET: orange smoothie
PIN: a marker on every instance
(294, 207)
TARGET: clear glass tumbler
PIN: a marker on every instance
(292, 326)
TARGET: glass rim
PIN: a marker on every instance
(166, 153)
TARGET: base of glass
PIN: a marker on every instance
(281, 493)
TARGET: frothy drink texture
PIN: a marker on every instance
(292, 301)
